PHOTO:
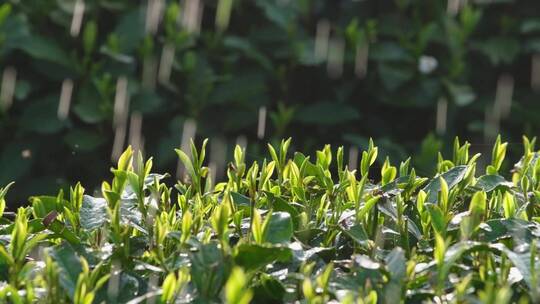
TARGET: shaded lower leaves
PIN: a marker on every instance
(396, 266)
(69, 266)
(253, 256)
(209, 270)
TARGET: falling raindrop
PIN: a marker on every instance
(166, 62)
(361, 60)
(135, 132)
(322, 37)
(118, 142)
(353, 157)
(452, 7)
(491, 124)
(442, 109)
(535, 72)
(199, 18)
(503, 95)
(121, 108)
(120, 101)
(261, 125)
(65, 99)
(76, 21)
(218, 154)
(7, 89)
(223, 14)
(154, 13)
(336, 52)
(192, 17)
(149, 72)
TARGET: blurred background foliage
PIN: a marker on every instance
(411, 74)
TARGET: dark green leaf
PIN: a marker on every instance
(489, 182)
(388, 51)
(452, 178)
(394, 75)
(358, 234)
(208, 270)
(93, 213)
(500, 49)
(44, 49)
(83, 140)
(130, 214)
(327, 113)
(387, 206)
(269, 288)
(69, 267)
(396, 266)
(41, 116)
(522, 261)
(279, 204)
(280, 228)
(518, 230)
(253, 256)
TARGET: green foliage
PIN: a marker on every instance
(253, 54)
(3, 192)
(236, 289)
(304, 232)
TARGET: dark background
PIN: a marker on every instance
(264, 58)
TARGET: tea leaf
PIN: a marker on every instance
(93, 213)
(280, 228)
(253, 256)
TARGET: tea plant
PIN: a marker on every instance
(61, 62)
(289, 228)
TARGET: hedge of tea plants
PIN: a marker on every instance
(376, 66)
(289, 228)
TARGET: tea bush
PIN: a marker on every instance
(410, 54)
(285, 229)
